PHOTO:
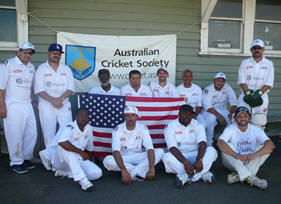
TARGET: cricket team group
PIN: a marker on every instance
(190, 153)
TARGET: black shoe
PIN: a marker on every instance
(28, 165)
(19, 169)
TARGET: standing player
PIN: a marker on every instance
(256, 77)
(16, 77)
(161, 87)
(135, 88)
(242, 151)
(54, 84)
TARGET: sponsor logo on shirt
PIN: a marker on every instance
(63, 74)
(86, 136)
(17, 71)
(76, 138)
(123, 139)
(19, 80)
(31, 71)
(224, 92)
(264, 67)
(194, 94)
(167, 92)
(249, 67)
(249, 77)
(215, 96)
(182, 95)
(155, 90)
(138, 138)
(178, 132)
(143, 94)
(191, 131)
(128, 94)
(264, 110)
(46, 75)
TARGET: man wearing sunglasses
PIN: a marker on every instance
(256, 77)
(16, 78)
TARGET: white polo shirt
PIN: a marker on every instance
(54, 83)
(244, 142)
(218, 99)
(193, 94)
(256, 75)
(131, 141)
(16, 79)
(80, 139)
(169, 90)
(143, 91)
(99, 90)
(186, 139)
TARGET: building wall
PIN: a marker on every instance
(139, 17)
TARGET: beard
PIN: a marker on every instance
(105, 83)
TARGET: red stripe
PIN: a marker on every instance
(154, 127)
(160, 145)
(167, 117)
(157, 136)
(150, 99)
(102, 134)
(101, 154)
(102, 144)
(170, 108)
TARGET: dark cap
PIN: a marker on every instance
(187, 108)
(242, 109)
(55, 47)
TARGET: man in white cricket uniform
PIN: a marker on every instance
(105, 88)
(71, 159)
(16, 78)
(128, 140)
(54, 84)
(215, 98)
(256, 77)
(135, 88)
(193, 95)
(245, 148)
(161, 87)
(188, 157)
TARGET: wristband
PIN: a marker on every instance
(200, 159)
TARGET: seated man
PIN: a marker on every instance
(215, 98)
(161, 87)
(72, 157)
(188, 156)
(135, 88)
(105, 87)
(128, 139)
(242, 151)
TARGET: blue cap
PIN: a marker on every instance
(55, 47)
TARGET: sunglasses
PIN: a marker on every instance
(256, 48)
(242, 109)
(27, 52)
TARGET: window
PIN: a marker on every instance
(14, 29)
(229, 26)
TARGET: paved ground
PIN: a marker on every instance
(39, 186)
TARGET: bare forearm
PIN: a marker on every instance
(69, 147)
(266, 149)
(265, 88)
(151, 158)
(66, 94)
(224, 147)
(232, 109)
(201, 150)
(46, 96)
(118, 158)
(2, 97)
(178, 154)
(216, 113)
(198, 109)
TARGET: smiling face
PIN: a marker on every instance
(162, 75)
(242, 119)
(25, 56)
(219, 83)
(54, 56)
(131, 119)
(187, 77)
(185, 117)
(257, 52)
(82, 118)
(135, 80)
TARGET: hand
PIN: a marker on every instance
(198, 165)
(126, 177)
(57, 103)
(3, 111)
(150, 174)
(243, 157)
(84, 155)
(230, 116)
(188, 168)
(222, 120)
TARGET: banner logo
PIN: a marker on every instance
(81, 60)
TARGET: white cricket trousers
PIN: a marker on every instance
(136, 163)
(211, 121)
(20, 132)
(260, 109)
(50, 116)
(73, 163)
(244, 169)
(173, 165)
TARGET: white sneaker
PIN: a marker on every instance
(182, 179)
(61, 173)
(209, 177)
(256, 181)
(86, 184)
(232, 178)
(46, 162)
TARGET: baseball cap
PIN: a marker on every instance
(257, 42)
(187, 108)
(27, 45)
(241, 109)
(132, 109)
(163, 68)
(55, 47)
(220, 75)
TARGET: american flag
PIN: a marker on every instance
(107, 111)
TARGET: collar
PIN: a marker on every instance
(51, 68)
(252, 59)
(19, 62)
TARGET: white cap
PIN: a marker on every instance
(163, 68)
(220, 75)
(131, 109)
(257, 42)
(27, 45)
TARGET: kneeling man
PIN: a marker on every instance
(188, 157)
(245, 148)
(128, 140)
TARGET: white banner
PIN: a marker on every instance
(87, 54)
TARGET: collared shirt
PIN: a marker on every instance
(130, 141)
(80, 139)
(54, 83)
(16, 79)
(99, 90)
(193, 94)
(169, 90)
(186, 139)
(256, 75)
(244, 142)
(143, 91)
(218, 99)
